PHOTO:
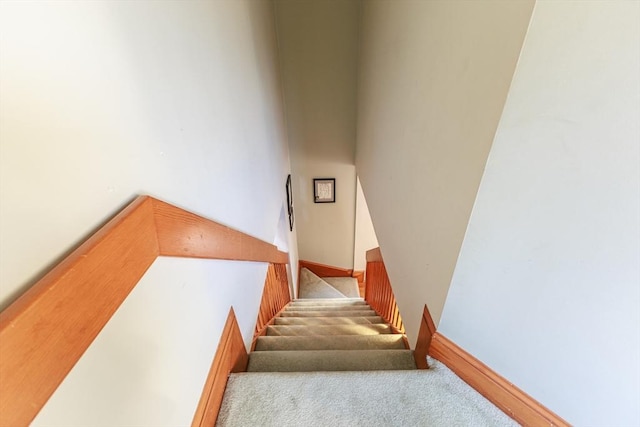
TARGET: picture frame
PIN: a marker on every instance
(289, 201)
(324, 190)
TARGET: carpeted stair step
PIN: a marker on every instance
(303, 330)
(325, 308)
(329, 301)
(431, 397)
(328, 320)
(334, 342)
(330, 360)
(329, 313)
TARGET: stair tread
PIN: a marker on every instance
(328, 313)
(302, 330)
(368, 398)
(310, 307)
(328, 320)
(333, 342)
(328, 301)
(330, 360)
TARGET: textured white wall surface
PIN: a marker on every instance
(318, 43)
(365, 234)
(434, 76)
(148, 366)
(102, 101)
(546, 290)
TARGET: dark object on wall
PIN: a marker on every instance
(289, 202)
(324, 190)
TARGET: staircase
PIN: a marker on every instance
(333, 361)
(341, 334)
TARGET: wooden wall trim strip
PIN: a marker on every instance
(506, 396)
(323, 270)
(231, 356)
(45, 331)
(184, 234)
(425, 335)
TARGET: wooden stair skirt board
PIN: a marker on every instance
(231, 356)
(506, 396)
(379, 292)
(427, 329)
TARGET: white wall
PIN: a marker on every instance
(546, 289)
(148, 366)
(434, 76)
(365, 234)
(101, 101)
(318, 43)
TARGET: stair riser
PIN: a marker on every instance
(328, 320)
(300, 330)
(334, 301)
(370, 342)
(355, 313)
(330, 360)
(326, 308)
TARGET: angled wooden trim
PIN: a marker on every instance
(506, 396)
(374, 255)
(323, 270)
(45, 331)
(425, 335)
(231, 356)
(358, 275)
(184, 234)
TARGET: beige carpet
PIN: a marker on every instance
(432, 398)
(326, 366)
(347, 286)
(313, 286)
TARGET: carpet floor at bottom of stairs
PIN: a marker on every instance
(434, 397)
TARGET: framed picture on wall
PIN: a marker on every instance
(324, 190)
(289, 202)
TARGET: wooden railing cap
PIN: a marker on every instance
(100, 274)
(374, 255)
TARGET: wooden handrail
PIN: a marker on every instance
(45, 331)
(378, 292)
(184, 234)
